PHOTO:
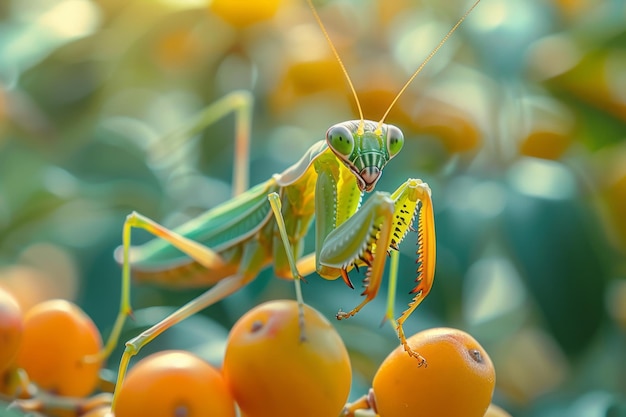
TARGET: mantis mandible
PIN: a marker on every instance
(229, 245)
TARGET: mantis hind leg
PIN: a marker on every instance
(240, 104)
(253, 259)
(203, 255)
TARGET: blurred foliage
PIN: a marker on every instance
(518, 124)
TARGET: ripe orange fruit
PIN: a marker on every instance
(272, 372)
(57, 337)
(457, 382)
(174, 383)
(11, 329)
(545, 144)
(241, 13)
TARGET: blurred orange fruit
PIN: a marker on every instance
(272, 372)
(545, 144)
(302, 79)
(241, 13)
(174, 383)
(457, 382)
(57, 337)
(177, 49)
(455, 127)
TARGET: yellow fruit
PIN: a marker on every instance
(454, 126)
(457, 382)
(57, 337)
(174, 383)
(241, 13)
(545, 144)
(272, 372)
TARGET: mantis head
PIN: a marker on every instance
(365, 147)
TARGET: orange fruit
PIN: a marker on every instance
(174, 383)
(241, 13)
(11, 329)
(272, 372)
(301, 79)
(57, 337)
(454, 126)
(545, 144)
(457, 382)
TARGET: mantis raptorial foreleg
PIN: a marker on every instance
(375, 230)
(426, 254)
(365, 235)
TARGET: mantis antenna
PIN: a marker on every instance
(343, 67)
(411, 78)
(428, 58)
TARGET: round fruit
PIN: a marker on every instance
(11, 329)
(273, 372)
(241, 13)
(457, 382)
(58, 336)
(174, 383)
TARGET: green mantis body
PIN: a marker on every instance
(328, 182)
(229, 245)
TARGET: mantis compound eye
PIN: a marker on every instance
(395, 140)
(340, 139)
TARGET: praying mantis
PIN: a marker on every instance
(229, 245)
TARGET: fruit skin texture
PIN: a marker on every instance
(11, 329)
(174, 383)
(57, 337)
(458, 380)
(273, 373)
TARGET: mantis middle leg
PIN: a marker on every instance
(253, 260)
(239, 103)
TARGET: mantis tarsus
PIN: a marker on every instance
(229, 245)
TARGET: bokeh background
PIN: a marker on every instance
(518, 125)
